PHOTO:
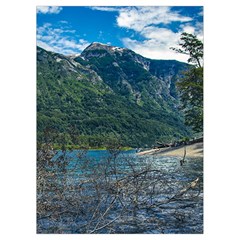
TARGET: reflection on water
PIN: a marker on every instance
(154, 213)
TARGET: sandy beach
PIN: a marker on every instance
(193, 150)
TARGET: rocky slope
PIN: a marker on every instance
(107, 92)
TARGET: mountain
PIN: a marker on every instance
(107, 93)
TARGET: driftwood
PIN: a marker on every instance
(184, 155)
(179, 143)
(178, 195)
(192, 185)
(103, 195)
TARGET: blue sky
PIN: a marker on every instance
(149, 31)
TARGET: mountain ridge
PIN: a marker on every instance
(108, 92)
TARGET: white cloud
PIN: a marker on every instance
(151, 23)
(200, 13)
(49, 9)
(188, 29)
(154, 49)
(164, 35)
(105, 9)
(197, 29)
(63, 22)
(137, 18)
(150, 34)
(158, 42)
(45, 45)
(59, 39)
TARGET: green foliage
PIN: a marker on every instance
(191, 46)
(190, 85)
(86, 113)
(163, 68)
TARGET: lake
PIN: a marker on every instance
(111, 192)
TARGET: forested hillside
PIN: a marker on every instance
(107, 94)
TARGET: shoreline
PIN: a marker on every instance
(193, 150)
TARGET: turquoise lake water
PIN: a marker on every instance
(185, 216)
